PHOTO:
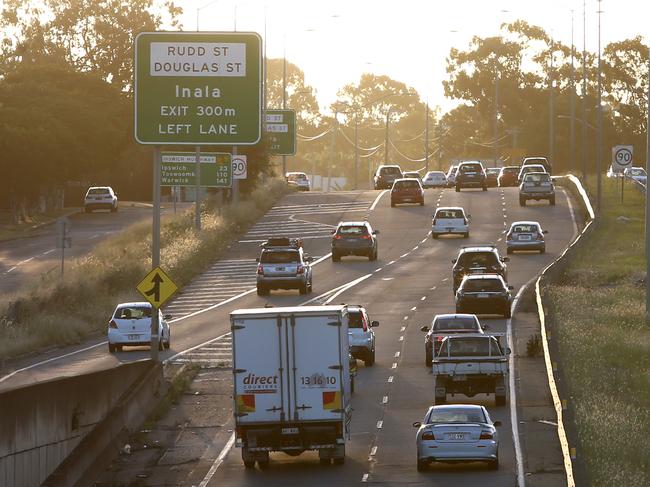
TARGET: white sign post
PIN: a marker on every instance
(622, 157)
(239, 167)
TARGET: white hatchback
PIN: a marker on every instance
(434, 179)
(130, 326)
(100, 197)
(448, 220)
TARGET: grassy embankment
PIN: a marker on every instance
(604, 342)
(10, 230)
(53, 313)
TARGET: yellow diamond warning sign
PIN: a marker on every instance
(157, 287)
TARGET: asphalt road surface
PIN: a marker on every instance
(403, 289)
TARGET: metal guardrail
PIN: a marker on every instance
(568, 451)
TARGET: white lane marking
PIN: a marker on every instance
(423, 298)
(13, 268)
(384, 400)
(416, 247)
(414, 308)
(401, 339)
(350, 285)
(445, 279)
(373, 451)
(406, 317)
(433, 288)
(378, 269)
(397, 354)
(394, 366)
(390, 379)
(402, 328)
(387, 278)
(94, 236)
(374, 203)
(423, 240)
(48, 251)
(573, 214)
(364, 478)
(391, 262)
(218, 461)
(404, 255)
(292, 217)
(380, 423)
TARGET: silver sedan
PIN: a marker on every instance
(526, 235)
(457, 433)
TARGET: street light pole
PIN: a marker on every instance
(284, 100)
(551, 109)
(356, 150)
(426, 140)
(386, 137)
(599, 143)
(333, 153)
(495, 133)
(584, 91)
(573, 102)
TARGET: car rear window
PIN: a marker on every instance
(455, 323)
(99, 191)
(511, 170)
(390, 170)
(132, 313)
(482, 285)
(353, 230)
(524, 228)
(449, 214)
(456, 415)
(407, 184)
(537, 178)
(357, 320)
(535, 168)
(470, 168)
(472, 347)
(280, 257)
(478, 259)
(296, 177)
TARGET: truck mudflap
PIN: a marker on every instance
(291, 437)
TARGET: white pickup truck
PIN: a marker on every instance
(471, 364)
(291, 382)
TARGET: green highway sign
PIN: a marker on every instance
(198, 88)
(177, 169)
(280, 127)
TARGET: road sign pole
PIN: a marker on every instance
(155, 246)
(235, 182)
(63, 232)
(197, 189)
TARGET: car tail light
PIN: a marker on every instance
(239, 431)
(300, 270)
(112, 324)
(465, 222)
(435, 221)
(439, 338)
(486, 435)
(260, 270)
(337, 237)
(540, 236)
(428, 435)
(366, 237)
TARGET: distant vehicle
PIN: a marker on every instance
(526, 235)
(386, 176)
(100, 198)
(538, 160)
(478, 259)
(451, 176)
(299, 180)
(530, 168)
(492, 176)
(508, 176)
(614, 172)
(471, 364)
(406, 191)
(434, 179)
(354, 238)
(536, 186)
(412, 175)
(361, 334)
(637, 173)
(283, 265)
(449, 220)
(484, 294)
(291, 380)
(444, 325)
(130, 326)
(470, 174)
(455, 433)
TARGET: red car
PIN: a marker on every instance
(508, 176)
(406, 191)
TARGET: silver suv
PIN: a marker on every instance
(283, 265)
(100, 197)
(361, 334)
(536, 186)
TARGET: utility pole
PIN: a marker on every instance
(495, 133)
(386, 138)
(284, 100)
(647, 205)
(356, 150)
(573, 103)
(584, 91)
(426, 140)
(551, 109)
(333, 153)
(155, 246)
(599, 146)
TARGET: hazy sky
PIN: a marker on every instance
(335, 41)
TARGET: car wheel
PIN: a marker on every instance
(522, 202)
(111, 348)
(262, 291)
(494, 464)
(249, 464)
(484, 188)
(161, 345)
(303, 288)
(168, 343)
(428, 357)
(457, 189)
(422, 203)
(370, 361)
(434, 236)
(392, 205)
(422, 465)
(466, 235)
(542, 250)
(119, 348)
(324, 461)
(335, 257)
(88, 210)
(351, 384)
(552, 201)
(373, 255)
(507, 313)
(114, 209)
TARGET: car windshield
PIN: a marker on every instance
(470, 347)
(413, 175)
(452, 169)
(132, 312)
(296, 177)
(456, 415)
(536, 168)
(537, 178)
(470, 168)
(357, 320)
(482, 285)
(99, 191)
(407, 184)
(521, 228)
(449, 214)
(434, 175)
(511, 170)
(390, 170)
(536, 160)
(478, 259)
(353, 230)
(493, 171)
(455, 323)
(280, 257)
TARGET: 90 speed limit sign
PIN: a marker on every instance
(622, 157)
(239, 167)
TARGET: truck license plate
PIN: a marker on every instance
(134, 337)
(289, 431)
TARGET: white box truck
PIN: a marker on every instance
(291, 382)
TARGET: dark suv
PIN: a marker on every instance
(484, 294)
(471, 175)
(386, 176)
(283, 265)
(354, 238)
(478, 259)
(406, 191)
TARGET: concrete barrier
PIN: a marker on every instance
(51, 433)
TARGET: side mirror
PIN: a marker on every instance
(453, 261)
(508, 351)
(376, 232)
(417, 424)
(510, 288)
(485, 327)
(469, 216)
(115, 194)
(309, 259)
(497, 423)
(333, 232)
(257, 260)
(167, 317)
(545, 232)
(374, 324)
(505, 259)
(424, 328)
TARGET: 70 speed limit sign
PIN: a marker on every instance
(239, 167)
(622, 157)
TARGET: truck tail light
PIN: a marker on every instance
(300, 270)
(439, 338)
(428, 435)
(260, 270)
(486, 435)
(339, 430)
(337, 237)
(112, 324)
(540, 236)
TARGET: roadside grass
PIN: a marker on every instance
(10, 230)
(598, 307)
(52, 312)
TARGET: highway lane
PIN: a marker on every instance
(25, 259)
(398, 389)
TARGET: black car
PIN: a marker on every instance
(444, 325)
(354, 238)
(538, 160)
(478, 259)
(386, 176)
(484, 294)
(492, 176)
(471, 175)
